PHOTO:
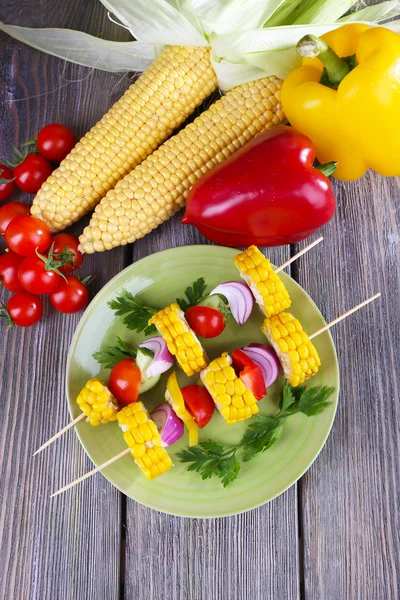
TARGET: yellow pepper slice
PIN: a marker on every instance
(173, 396)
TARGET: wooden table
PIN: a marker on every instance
(332, 536)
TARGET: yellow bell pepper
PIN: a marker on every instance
(355, 121)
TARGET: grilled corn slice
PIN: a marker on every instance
(158, 187)
(297, 354)
(173, 396)
(181, 340)
(268, 290)
(97, 402)
(146, 115)
(144, 440)
(233, 400)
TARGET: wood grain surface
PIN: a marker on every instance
(332, 536)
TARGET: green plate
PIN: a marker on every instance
(157, 280)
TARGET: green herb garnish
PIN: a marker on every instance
(194, 294)
(136, 315)
(212, 458)
(111, 355)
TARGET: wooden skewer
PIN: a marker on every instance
(344, 316)
(60, 433)
(92, 472)
(296, 256)
(124, 452)
(75, 421)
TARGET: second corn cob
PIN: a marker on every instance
(146, 115)
(157, 188)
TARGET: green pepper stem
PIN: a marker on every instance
(311, 46)
(327, 168)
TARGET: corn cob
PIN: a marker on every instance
(144, 440)
(268, 290)
(158, 187)
(233, 400)
(97, 402)
(173, 396)
(181, 340)
(297, 354)
(158, 102)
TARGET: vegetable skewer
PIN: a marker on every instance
(124, 452)
(82, 416)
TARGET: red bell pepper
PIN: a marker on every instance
(250, 373)
(268, 193)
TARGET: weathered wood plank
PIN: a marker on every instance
(249, 556)
(69, 547)
(350, 497)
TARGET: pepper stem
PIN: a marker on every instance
(311, 46)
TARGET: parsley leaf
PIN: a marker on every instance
(260, 435)
(194, 294)
(211, 458)
(313, 400)
(287, 399)
(111, 355)
(136, 315)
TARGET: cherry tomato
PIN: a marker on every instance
(35, 278)
(24, 309)
(25, 233)
(69, 242)
(9, 265)
(32, 173)
(124, 381)
(199, 403)
(6, 189)
(250, 373)
(70, 296)
(9, 211)
(55, 141)
(205, 321)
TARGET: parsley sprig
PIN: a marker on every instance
(195, 293)
(136, 314)
(109, 356)
(213, 458)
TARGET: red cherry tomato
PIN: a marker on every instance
(9, 211)
(250, 373)
(205, 321)
(25, 233)
(9, 265)
(32, 173)
(70, 296)
(124, 381)
(7, 188)
(55, 141)
(199, 403)
(24, 309)
(35, 278)
(68, 242)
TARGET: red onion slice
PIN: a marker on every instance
(169, 425)
(240, 299)
(266, 359)
(163, 359)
